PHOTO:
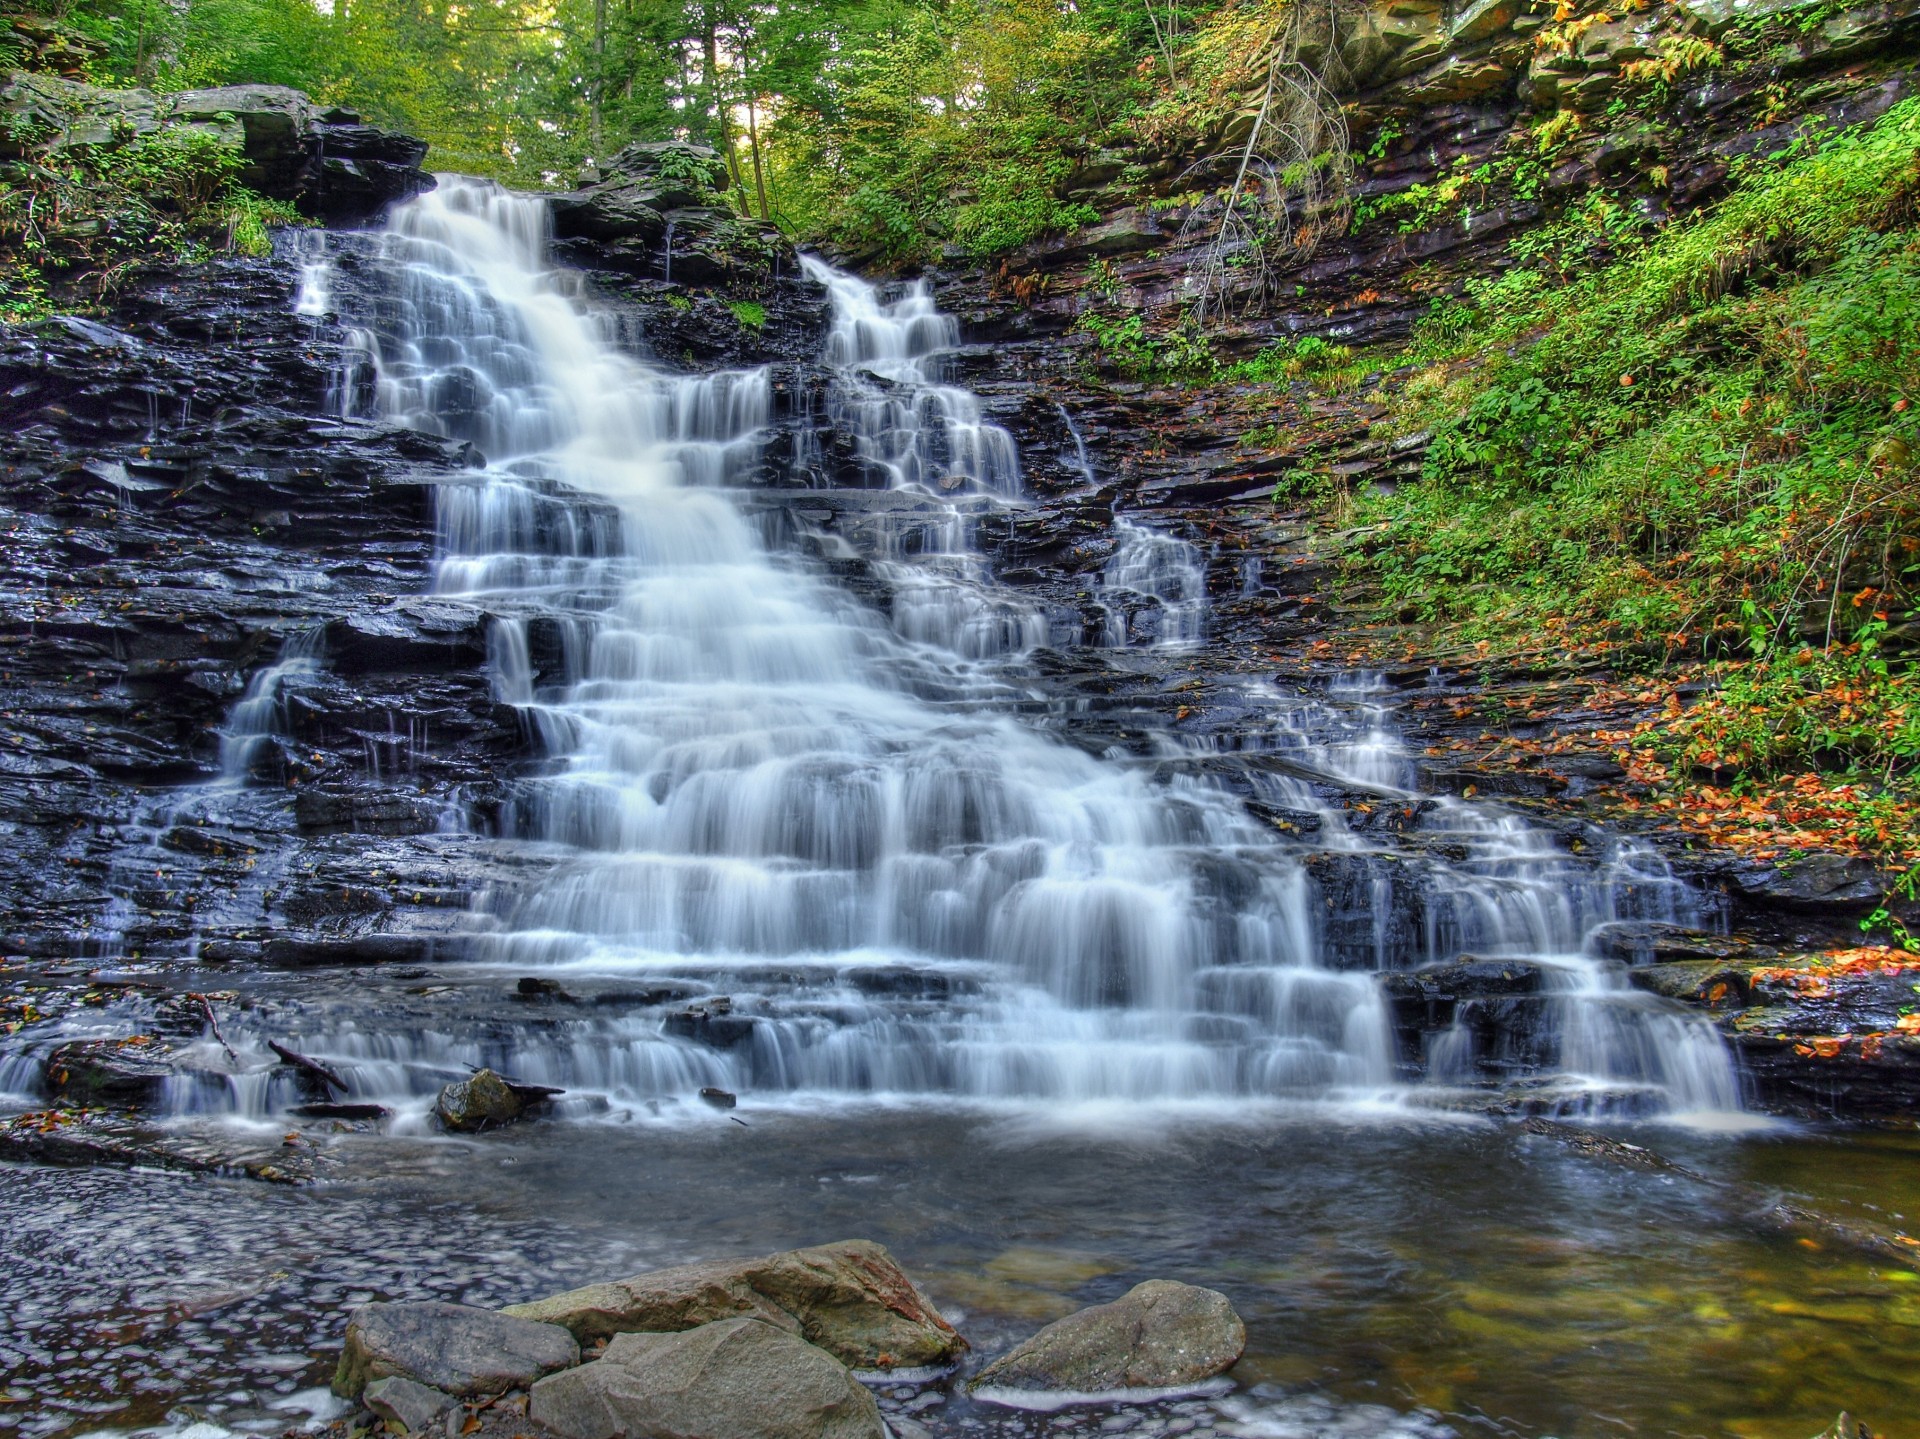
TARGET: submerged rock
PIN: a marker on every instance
(849, 1298)
(734, 1379)
(484, 1102)
(1158, 1335)
(1846, 1427)
(450, 1347)
(402, 1401)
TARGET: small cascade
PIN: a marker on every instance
(1081, 465)
(916, 433)
(313, 298)
(260, 713)
(1153, 589)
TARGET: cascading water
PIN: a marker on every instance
(1155, 585)
(814, 834)
(917, 434)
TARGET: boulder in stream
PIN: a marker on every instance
(849, 1298)
(1158, 1335)
(449, 1347)
(484, 1102)
(107, 1071)
(734, 1379)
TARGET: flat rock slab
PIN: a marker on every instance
(450, 1347)
(1158, 1335)
(735, 1379)
(850, 1299)
(401, 1401)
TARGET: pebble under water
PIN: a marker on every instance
(1408, 1280)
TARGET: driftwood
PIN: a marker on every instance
(313, 1069)
(206, 1008)
(1743, 1203)
(341, 1111)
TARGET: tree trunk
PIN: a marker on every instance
(719, 102)
(599, 77)
(753, 144)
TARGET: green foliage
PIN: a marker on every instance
(1710, 441)
(88, 213)
(1281, 362)
(749, 313)
(1181, 353)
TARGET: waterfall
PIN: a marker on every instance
(767, 789)
(809, 839)
(1155, 586)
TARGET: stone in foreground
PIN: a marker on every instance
(449, 1347)
(850, 1299)
(735, 1379)
(401, 1401)
(483, 1102)
(1158, 1335)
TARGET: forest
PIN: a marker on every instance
(905, 127)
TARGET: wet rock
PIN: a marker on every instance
(1846, 1427)
(1650, 942)
(849, 1298)
(449, 1347)
(401, 1401)
(1159, 1335)
(86, 1138)
(107, 1071)
(659, 209)
(719, 1098)
(712, 1023)
(1813, 881)
(732, 1379)
(484, 1102)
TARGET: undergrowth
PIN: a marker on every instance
(78, 219)
(1708, 448)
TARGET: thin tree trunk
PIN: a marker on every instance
(599, 75)
(719, 102)
(753, 144)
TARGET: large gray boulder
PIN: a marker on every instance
(449, 1347)
(735, 1379)
(850, 1299)
(1158, 1335)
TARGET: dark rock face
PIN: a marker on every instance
(179, 506)
(654, 225)
(331, 165)
(449, 1347)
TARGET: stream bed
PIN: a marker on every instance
(1398, 1277)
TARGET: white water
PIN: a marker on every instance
(1155, 585)
(763, 790)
